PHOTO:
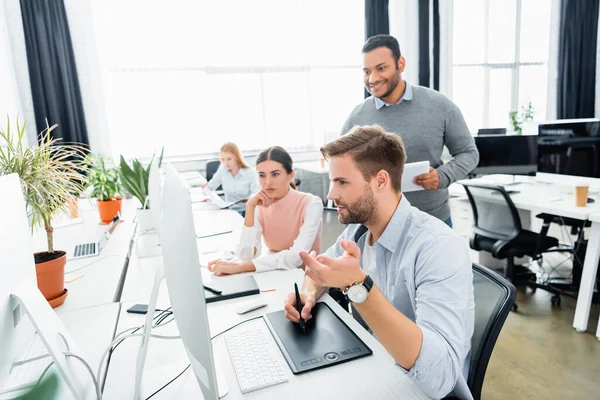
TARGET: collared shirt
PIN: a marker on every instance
(238, 187)
(424, 270)
(408, 95)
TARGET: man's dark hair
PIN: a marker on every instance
(377, 41)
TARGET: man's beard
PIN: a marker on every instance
(361, 211)
(393, 84)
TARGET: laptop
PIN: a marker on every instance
(92, 249)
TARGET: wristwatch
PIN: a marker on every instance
(359, 291)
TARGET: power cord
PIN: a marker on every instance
(189, 365)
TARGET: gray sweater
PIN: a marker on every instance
(426, 123)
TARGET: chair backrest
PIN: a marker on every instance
(211, 167)
(491, 131)
(494, 298)
(494, 213)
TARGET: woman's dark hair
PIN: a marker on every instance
(280, 155)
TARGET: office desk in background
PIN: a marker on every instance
(541, 197)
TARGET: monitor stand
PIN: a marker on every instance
(222, 387)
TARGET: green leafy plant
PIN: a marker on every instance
(517, 118)
(103, 179)
(135, 178)
(51, 172)
(46, 389)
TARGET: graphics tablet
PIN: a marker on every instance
(326, 342)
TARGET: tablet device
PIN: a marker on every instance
(327, 341)
(411, 170)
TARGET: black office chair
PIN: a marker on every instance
(491, 131)
(497, 229)
(494, 298)
(211, 168)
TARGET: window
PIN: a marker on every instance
(193, 74)
(500, 51)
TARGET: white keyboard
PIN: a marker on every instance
(27, 374)
(254, 359)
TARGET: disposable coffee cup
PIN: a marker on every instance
(581, 191)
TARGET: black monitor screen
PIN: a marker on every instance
(512, 154)
(571, 128)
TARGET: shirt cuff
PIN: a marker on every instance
(444, 180)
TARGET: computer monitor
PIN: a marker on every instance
(183, 274)
(570, 147)
(17, 266)
(570, 128)
(506, 154)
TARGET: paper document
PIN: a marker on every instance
(411, 170)
(217, 200)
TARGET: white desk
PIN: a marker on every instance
(538, 197)
(208, 220)
(167, 358)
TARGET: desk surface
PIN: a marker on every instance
(536, 196)
(167, 358)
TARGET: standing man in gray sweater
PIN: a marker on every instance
(425, 119)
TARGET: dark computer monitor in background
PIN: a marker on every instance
(570, 147)
(506, 154)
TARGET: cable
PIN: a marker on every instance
(87, 366)
(168, 383)
(186, 368)
(93, 262)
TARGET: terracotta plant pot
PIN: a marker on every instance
(109, 209)
(50, 270)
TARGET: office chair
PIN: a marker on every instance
(497, 229)
(494, 298)
(211, 168)
(491, 131)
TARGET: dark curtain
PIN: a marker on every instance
(576, 91)
(52, 70)
(377, 20)
(436, 44)
(424, 70)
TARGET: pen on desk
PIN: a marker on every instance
(299, 307)
(215, 291)
(213, 234)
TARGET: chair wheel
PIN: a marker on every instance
(555, 300)
(515, 308)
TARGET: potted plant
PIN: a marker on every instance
(51, 173)
(134, 179)
(521, 117)
(105, 187)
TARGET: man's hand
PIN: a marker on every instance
(221, 267)
(291, 312)
(429, 181)
(335, 272)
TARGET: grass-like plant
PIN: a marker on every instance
(51, 173)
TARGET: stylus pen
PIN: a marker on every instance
(213, 234)
(299, 307)
(215, 291)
